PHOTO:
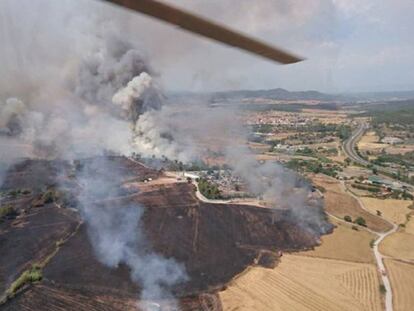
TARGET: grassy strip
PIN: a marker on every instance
(6, 210)
(33, 275)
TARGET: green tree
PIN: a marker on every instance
(360, 221)
(348, 218)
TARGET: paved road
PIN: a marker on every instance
(349, 148)
(350, 144)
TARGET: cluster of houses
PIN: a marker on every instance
(378, 181)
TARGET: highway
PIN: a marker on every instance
(350, 144)
(349, 148)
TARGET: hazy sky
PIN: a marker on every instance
(350, 45)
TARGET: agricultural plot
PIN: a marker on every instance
(399, 245)
(345, 244)
(409, 227)
(305, 283)
(402, 282)
(370, 142)
(390, 209)
(339, 203)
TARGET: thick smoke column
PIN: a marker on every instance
(117, 234)
(160, 133)
(133, 91)
(83, 108)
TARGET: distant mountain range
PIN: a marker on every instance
(277, 94)
(282, 94)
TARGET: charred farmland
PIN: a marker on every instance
(213, 242)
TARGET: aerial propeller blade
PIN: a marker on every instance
(204, 27)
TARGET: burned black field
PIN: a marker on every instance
(44, 229)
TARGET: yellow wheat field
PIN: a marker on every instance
(392, 210)
(345, 244)
(370, 141)
(402, 283)
(399, 245)
(409, 227)
(305, 283)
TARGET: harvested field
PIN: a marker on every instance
(392, 210)
(399, 245)
(339, 203)
(400, 149)
(325, 116)
(338, 158)
(345, 244)
(409, 227)
(305, 283)
(356, 171)
(370, 142)
(369, 137)
(402, 282)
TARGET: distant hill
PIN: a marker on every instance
(277, 94)
(282, 94)
(391, 95)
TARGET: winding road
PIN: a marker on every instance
(379, 258)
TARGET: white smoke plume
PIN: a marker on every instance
(133, 91)
(161, 133)
(280, 188)
(118, 238)
(10, 114)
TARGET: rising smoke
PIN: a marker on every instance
(102, 95)
(279, 187)
(117, 233)
(92, 104)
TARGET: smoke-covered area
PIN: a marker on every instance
(85, 102)
(117, 232)
(97, 108)
(90, 91)
(202, 129)
(280, 187)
